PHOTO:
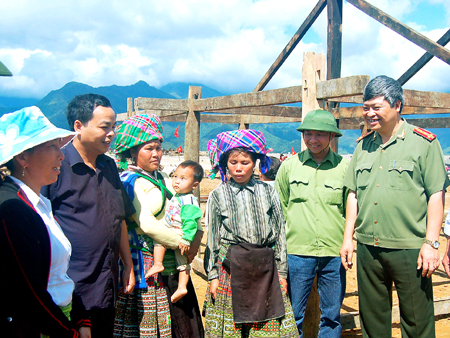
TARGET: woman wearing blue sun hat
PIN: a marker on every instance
(37, 292)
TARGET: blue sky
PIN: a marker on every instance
(225, 44)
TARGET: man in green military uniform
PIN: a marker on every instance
(311, 190)
(397, 181)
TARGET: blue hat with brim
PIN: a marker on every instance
(26, 129)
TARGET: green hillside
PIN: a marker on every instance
(282, 137)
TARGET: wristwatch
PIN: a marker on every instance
(434, 244)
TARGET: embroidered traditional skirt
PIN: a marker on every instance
(219, 314)
(145, 312)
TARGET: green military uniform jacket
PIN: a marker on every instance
(312, 197)
(393, 183)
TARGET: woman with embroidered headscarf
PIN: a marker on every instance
(246, 239)
(37, 292)
(147, 312)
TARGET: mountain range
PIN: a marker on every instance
(281, 137)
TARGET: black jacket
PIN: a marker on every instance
(26, 308)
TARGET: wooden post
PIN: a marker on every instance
(192, 131)
(129, 106)
(313, 72)
(334, 52)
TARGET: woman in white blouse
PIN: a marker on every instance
(37, 295)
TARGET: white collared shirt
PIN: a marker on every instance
(60, 286)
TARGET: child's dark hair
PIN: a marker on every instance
(273, 169)
(197, 168)
(223, 162)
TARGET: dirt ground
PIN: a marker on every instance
(440, 281)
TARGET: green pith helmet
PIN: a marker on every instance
(321, 120)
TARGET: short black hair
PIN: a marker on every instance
(387, 87)
(82, 106)
(273, 169)
(223, 162)
(196, 168)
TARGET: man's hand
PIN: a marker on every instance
(128, 280)
(428, 260)
(184, 248)
(346, 254)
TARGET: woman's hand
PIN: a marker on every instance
(284, 285)
(85, 332)
(184, 248)
(214, 284)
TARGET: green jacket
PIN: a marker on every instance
(312, 197)
(393, 183)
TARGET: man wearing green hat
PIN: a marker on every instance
(312, 194)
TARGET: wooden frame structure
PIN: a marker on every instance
(322, 86)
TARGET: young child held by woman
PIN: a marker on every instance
(183, 216)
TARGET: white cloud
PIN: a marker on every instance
(227, 45)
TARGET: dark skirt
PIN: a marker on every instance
(219, 314)
(149, 313)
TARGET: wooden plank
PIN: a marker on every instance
(291, 45)
(419, 64)
(348, 99)
(405, 31)
(234, 119)
(160, 104)
(416, 98)
(121, 117)
(281, 111)
(258, 99)
(351, 320)
(346, 86)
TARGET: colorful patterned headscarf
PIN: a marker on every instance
(212, 154)
(134, 131)
(252, 140)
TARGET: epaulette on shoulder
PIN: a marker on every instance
(425, 133)
(362, 136)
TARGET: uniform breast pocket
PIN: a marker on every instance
(400, 174)
(333, 192)
(298, 188)
(363, 171)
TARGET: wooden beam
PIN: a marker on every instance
(334, 52)
(405, 31)
(192, 136)
(161, 104)
(291, 45)
(416, 98)
(234, 119)
(334, 39)
(281, 111)
(347, 86)
(351, 320)
(422, 61)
